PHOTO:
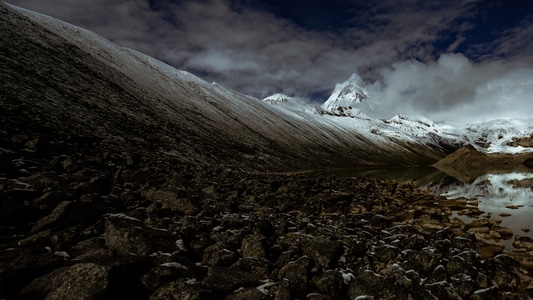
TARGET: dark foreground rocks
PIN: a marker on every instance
(82, 223)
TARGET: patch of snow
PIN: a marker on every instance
(264, 287)
(180, 244)
(62, 254)
(174, 265)
(123, 216)
(347, 277)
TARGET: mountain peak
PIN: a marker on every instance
(346, 95)
(278, 98)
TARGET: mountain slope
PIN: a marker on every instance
(62, 80)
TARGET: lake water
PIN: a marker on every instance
(506, 196)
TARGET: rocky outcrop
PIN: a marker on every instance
(526, 142)
(467, 163)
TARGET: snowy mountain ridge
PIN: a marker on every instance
(346, 96)
(206, 122)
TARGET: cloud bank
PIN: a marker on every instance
(453, 89)
(394, 45)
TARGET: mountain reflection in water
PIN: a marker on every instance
(506, 193)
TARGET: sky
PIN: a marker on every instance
(457, 61)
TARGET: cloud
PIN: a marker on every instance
(453, 89)
(256, 51)
(391, 44)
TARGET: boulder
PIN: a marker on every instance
(88, 280)
(323, 252)
(224, 280)
(125, 235)
(178, 290)
(297, 272)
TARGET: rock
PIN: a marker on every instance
(172, 201)
(50, 200)
(7, 167)
(259, 267)
(218, 255)
(87, 246)
(439, 273)
(246, 294)
(503, 274)
(125, 235)
(525, 261)
(178, 290)
(163, 274)
(323, 252)
(367, 283)
(21, 265)
(224, 280)
(119, 278)
(252, 246)
(386, 253)
(297, 274)
(96, 185)
(442, 290)
(524, 242)
(329, 283)
(462, 263)
(69, 213)
(424, 260)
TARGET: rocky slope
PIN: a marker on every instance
(94, 224)
(66, 77)
(467, 164)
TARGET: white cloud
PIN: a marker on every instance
(454, 90)
(258, 53)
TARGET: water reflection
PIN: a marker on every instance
(507, 196)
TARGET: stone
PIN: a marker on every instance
(259, 267)
(125, 235)
(171, 200)
(246, 294)
(297, 274)
(323, 252)
(524, 242)
(119, 278)
(252, 246)
(424, 260)
(163, 274)
(367, 283)
(218, 255)
(178, 290)
(329, 283)
(224, 280)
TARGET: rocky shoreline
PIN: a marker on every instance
(81, 222)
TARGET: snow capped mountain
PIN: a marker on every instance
(123, 96)
(503, 135)
(346, 96)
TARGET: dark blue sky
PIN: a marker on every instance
(446, 54)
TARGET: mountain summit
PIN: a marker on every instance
(346, 96)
